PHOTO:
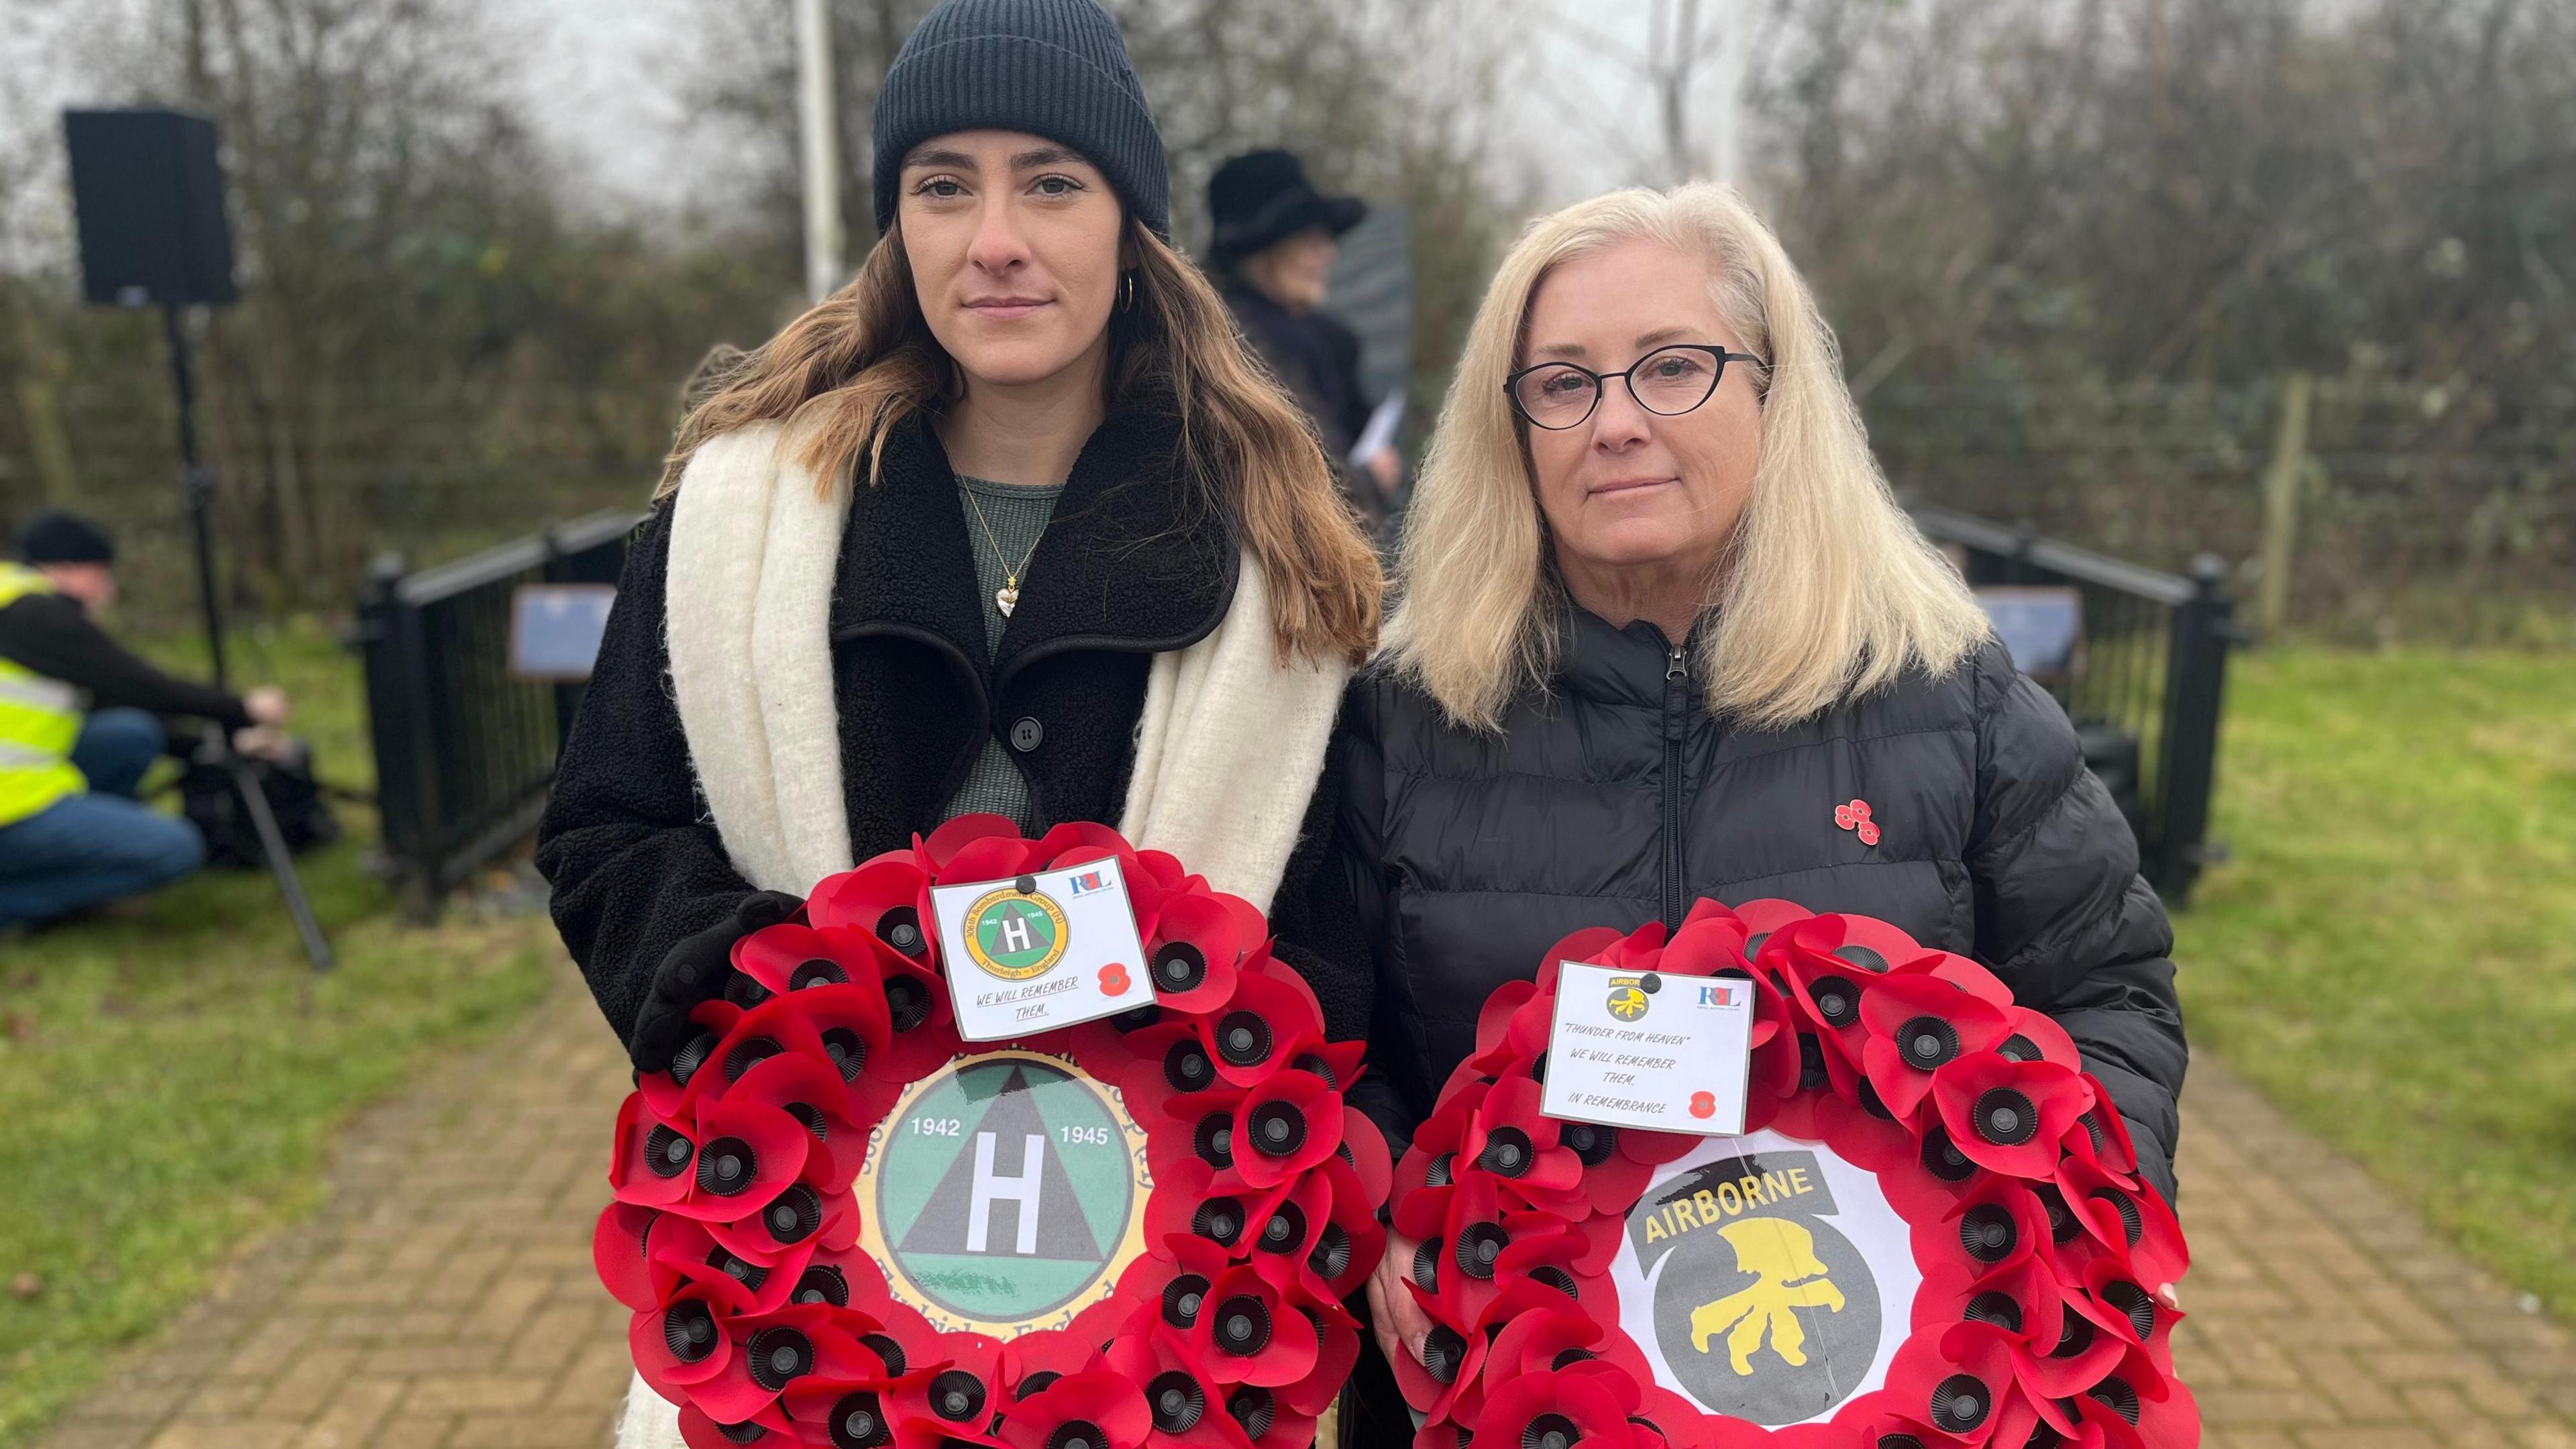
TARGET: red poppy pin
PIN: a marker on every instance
(1854, 817)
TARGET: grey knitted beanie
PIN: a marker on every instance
(1052, 68)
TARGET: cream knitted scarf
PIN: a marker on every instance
(1228, 746)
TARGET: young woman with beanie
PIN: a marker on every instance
(1010, 523)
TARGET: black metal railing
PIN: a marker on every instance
(2145, 688)
(465, 749)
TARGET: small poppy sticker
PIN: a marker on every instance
(1854, 817)
(1113, 980)
(1703, 1104)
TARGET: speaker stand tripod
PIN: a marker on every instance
(198, 481)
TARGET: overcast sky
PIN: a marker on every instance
(598, 76)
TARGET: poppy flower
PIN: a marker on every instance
(1966, 973)
(958, 1392)
(1264, 1422)
(814, 1095)
(1827, 991)
(1916, 1025)
(620, 1248)
(2125, 1216)
(2008, 1116)
(859, 1411)
(1611, 1179)
(1495, 1019)
(1875, 946)
(1958, 1383)
(2102, 1135)
(1251, 1332)
(1996, 1224)
(1196, 945)
(1264, 1014)
(667, 1092)
(654, 1160)
(1168, 1065)
(1184, 1407)
(2116, 1301)
(1548, 1260)
(1763, 919)
(922, 1024)
(1081, 842)
(774, 1350)
(1459, 1262)
(1337, 1352)
(938, 850)
(2021, 1297)
(828, 1275)
(791, 956)
(742, 1155)
(1711, 939)
(1666, 1419)
(1285, 1126)
(1551, 1411)
(1289, 1216)
(888, 897)
(2172, 1422)
(1511, 1139)
(1548, 1337)
(2036, 1037)
(1449, 1361)
(1345, 1250)
(802, 1217)
(681, 1340)
(769, 1426)
(1092, 1408)
(1365, 1153)
(1868, 1139)
(1192, 1199)
(988, 858)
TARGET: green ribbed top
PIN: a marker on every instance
(1017, 516)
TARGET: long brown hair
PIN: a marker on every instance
(862, 361)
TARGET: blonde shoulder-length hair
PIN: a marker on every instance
(1828, 590)
(863, 361)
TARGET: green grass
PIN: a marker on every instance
(2391, 954)
(172, 1074)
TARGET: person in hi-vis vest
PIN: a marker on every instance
(71, 832)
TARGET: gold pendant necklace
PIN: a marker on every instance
(1007, 597)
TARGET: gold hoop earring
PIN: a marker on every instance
(1127, 292)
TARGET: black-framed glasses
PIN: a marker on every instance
(1668, 381)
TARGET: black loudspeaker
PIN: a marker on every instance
(150, 196)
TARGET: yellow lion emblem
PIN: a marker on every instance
(1781, 1256)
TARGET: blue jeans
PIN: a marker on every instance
(96, 847)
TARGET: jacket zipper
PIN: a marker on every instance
(1676, 717)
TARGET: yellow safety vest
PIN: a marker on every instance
(39, 720)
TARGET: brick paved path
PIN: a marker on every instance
(443, 1299)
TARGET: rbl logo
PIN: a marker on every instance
(1113, 980)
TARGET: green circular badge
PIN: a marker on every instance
(1005, 1192)
(1014, 934)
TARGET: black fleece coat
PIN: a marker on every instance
(1135, 562)
(1460, 857)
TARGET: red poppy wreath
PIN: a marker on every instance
(1931, 1233)
(839, 1223)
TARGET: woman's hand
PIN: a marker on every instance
(1399, 1322)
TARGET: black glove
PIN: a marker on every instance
(694, 971)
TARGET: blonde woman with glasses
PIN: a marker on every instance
(1661, 627)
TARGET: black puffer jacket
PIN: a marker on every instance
(1133, 564)
(1620, 800)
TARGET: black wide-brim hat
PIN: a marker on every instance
(1261, 198)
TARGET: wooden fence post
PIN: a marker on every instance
(2282, 480)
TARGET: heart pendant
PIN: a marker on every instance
(1006, 598)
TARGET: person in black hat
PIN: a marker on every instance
(1274, 240)
(71, 832)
